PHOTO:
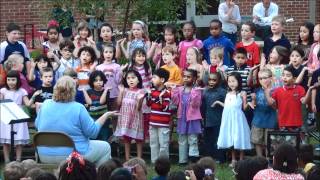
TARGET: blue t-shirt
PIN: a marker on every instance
(269, 44)
(7, 48)
(264, 116)
(221, 42)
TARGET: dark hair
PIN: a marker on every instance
(241, 50)
(248, 168)
(12, 27)
(67, 43)
(193, 25)
(108, 46)
(146, 65)
(314, 173)
(197, 169)
(193, 72)
(121, 174)
(44, 58)
(218, 75)
(90, 50)
(238, 78)
(137, 74)
(95, 74)
(79, 172)
(283, 53)
(53, 27)
(251, 26)
(310, 27)
(171, 28)
(47, 69)
(176, 175)
(13, 171)
(105, 169)
(299, 50)
(162, 165)
(82, 26)
(14, 74)
(305, 153)
(34, 172)
(162, 73)
(285, 159)
(107, 25)
(291, 70)
(46, 176)
(216, 21)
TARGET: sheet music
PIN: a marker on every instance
(11, 111)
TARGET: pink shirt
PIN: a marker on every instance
(183, 47)
(113, 74)
(193, 109)
(313, 61)
(271, 174)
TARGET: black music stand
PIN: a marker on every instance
(11, 114)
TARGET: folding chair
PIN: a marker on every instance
(51, 139)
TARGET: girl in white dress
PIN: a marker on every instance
(234, 129)
(13, 91)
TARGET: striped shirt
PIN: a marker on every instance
(244, 71)
(160, 114)
(146, 79)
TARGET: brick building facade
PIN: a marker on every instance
(35, 11)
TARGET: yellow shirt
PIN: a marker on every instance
(175, 74)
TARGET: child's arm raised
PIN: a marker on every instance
(120, 97)
(306, 99)
(31, 75)
(217, 103)
(103, 98)
(125, 50)
(250, 81)
(31, 102)
(270, 100)
(313, 100)
(301, 75)
(140, 98)
(244, 100)
(87, 98)
(253, 103)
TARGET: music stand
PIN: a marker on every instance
(12, 114)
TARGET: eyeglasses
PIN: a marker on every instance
(67, 50)
(211, 79)
(261, 78)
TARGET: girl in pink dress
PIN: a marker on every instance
(130, 123)
(13, 91)
(189, 29)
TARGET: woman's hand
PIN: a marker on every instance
(112, 113)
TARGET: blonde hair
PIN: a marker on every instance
(218, 51)
(279, 19)
(134, 161)
(64, 90)
(169, 49)
(12, 61)
(266, 71)
(145, 33)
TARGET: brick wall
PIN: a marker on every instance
(35, 11)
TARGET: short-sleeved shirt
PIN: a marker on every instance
(253, 53)
(315, 79)
(289, 105)
(212, 114)
(296, 73)
(271, 174)
(7, 48)
(46, 93)
(264, 116)
(269, 44)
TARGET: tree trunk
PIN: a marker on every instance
(126, 17)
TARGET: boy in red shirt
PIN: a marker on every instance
(159, 100)
(287, 99)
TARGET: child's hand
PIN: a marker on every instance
(124, 66)
(121, 88)
(38, 92)
(77, 38)
(205, 65)
(215, 103)
(112, 113)
(313, 107)
(50, 54)
(243, 94)
(33, 64)
(255, 67)
(253, 96)
(190, 174)
(107, 88)
(252, 105)
(147, 90)
(141, 96)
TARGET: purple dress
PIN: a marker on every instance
(190, 127)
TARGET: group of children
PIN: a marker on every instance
(230, 95)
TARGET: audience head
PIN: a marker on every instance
(285, 159)
(198, 170)
(105, 169)
(121, 174)
(76, 167)
(13, 171)
(177, 175)
(208, 164)
(14, 62)
(162, 165)
(33, 173)
(29, 164)
(305, 155)
(248, 168)
(46, 176)
(313, 173)
(138, 167)
(64, 90)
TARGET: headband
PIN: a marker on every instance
(139, 22)
(76, 156)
